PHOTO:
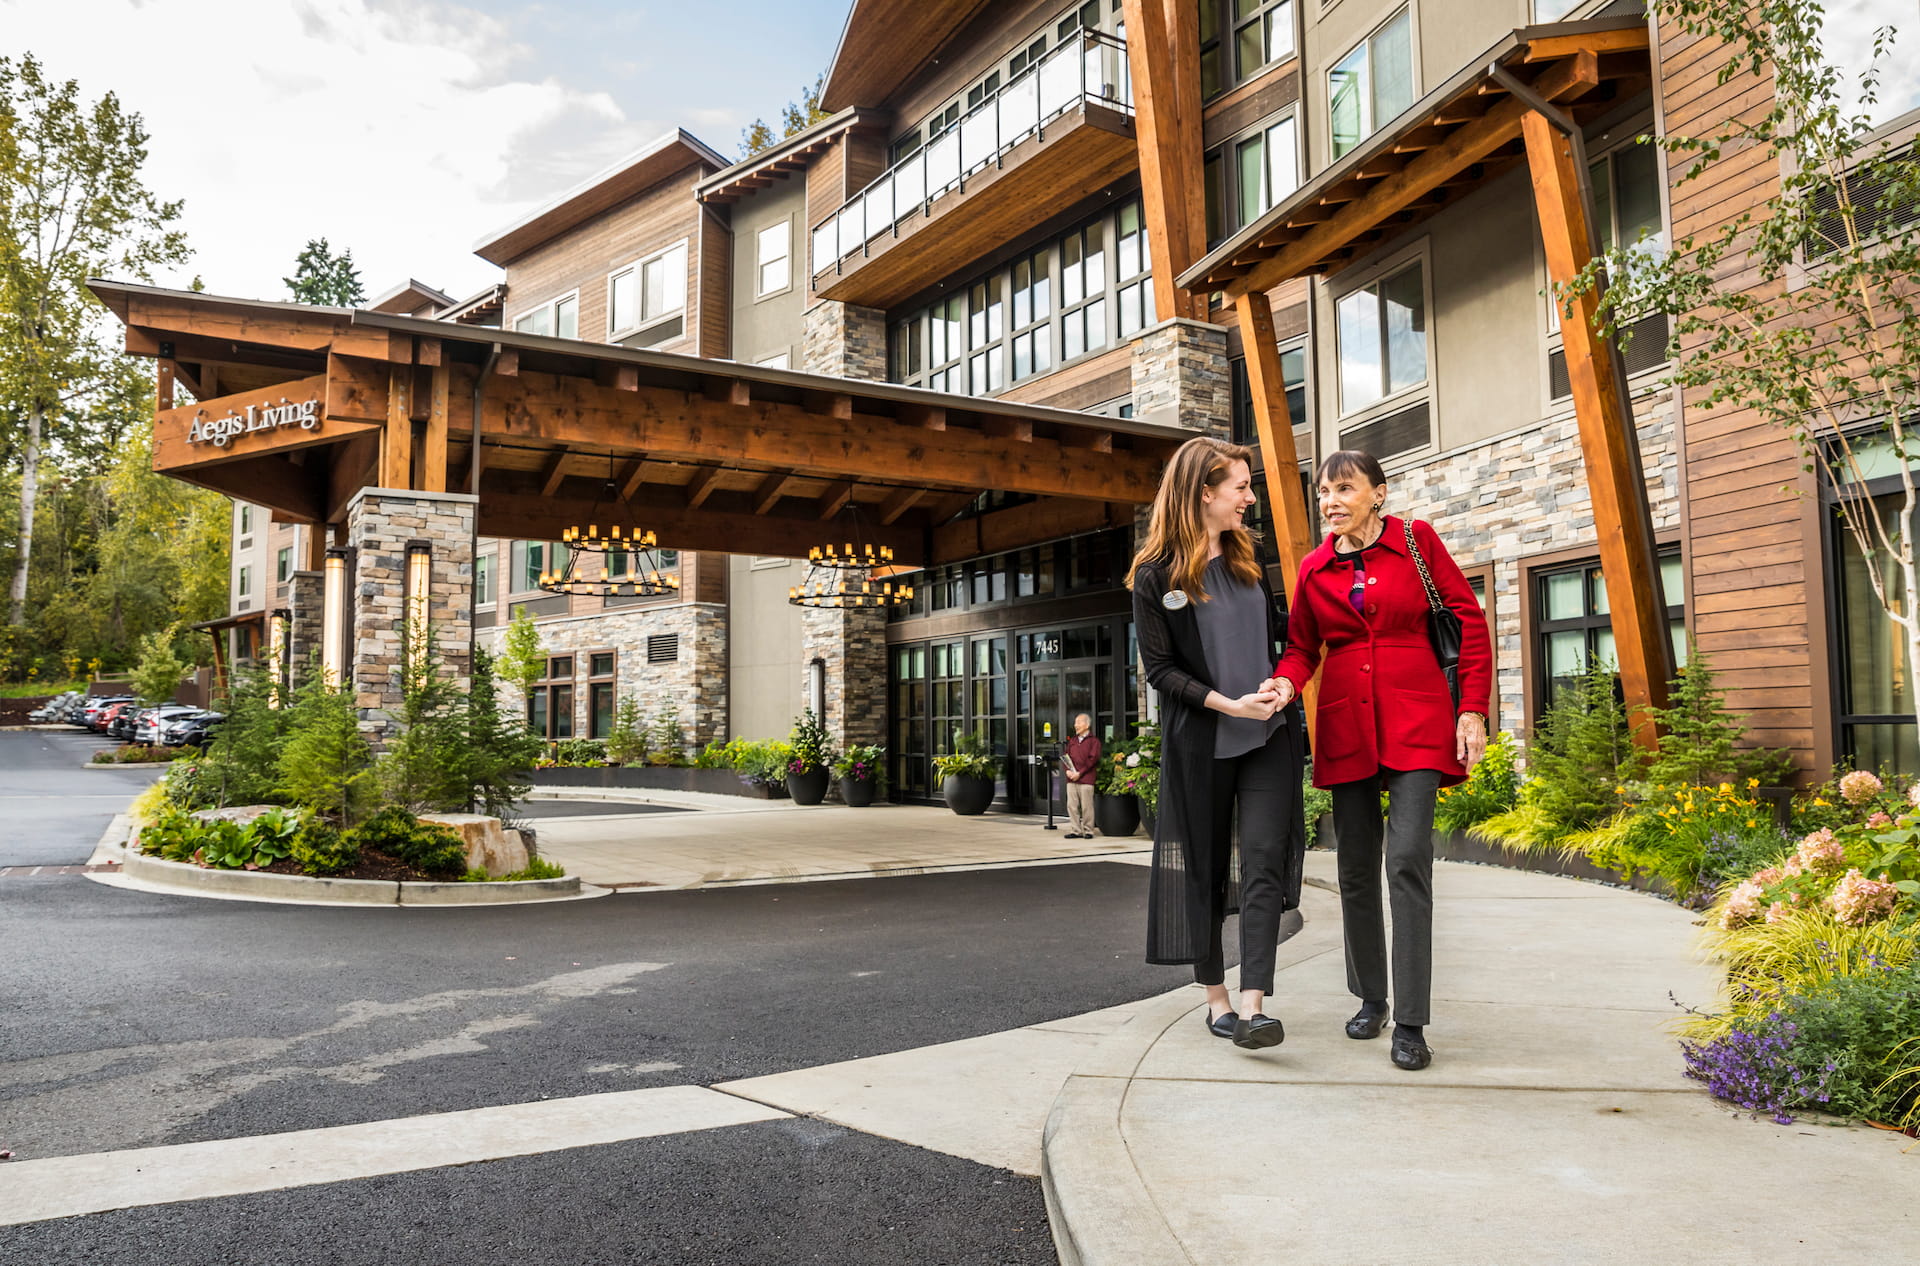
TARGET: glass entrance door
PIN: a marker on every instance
(1049, 697)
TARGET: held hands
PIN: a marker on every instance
(1470, 739)
(1258, 706)
(1281, 688)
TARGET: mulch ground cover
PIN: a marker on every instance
(372, 865)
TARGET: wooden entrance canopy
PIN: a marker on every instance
(298, 408)
(1487, 119)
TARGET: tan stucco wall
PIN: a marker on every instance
(764, 684)
(766, 327)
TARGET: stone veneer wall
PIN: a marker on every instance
(380, 522)
(1523, 494)
(853, 647)
(306, 600)
(845, 340)
(694, 685)
(1180, 376)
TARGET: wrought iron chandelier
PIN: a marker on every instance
(590, 563)
(850, 572)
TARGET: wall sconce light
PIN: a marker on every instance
(333, 618)
(419, 595)
(278, 652)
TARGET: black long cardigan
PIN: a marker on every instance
(1184, 891)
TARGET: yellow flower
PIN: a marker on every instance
(1821, 802)
(1751, 823)
(1726, 786)
(1753, 782)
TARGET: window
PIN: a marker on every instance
(779, 360)
(602, 700)
(1382, 336)
(1572, 621)
(1626, 203)
(1262, 34)
(1372, 84)
(986, 328)
(773, 247)
(647, 294)
(1245, 177)
(483, 579)
(1083, 291)
(246, 520)
(530, 558)
(283, 564)
(561, 318)
(550, 702)
(1293, 373)
(1132, 260)
(245, 584)
(1032, 313)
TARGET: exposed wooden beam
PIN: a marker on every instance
(771, 489)
(1019, 430)
(631, 478)
(267, 479)
(837, 405)
(434, 456)
(357, 388)
(1161, 117)
(186, 378)
(551, 477)
(163, 376)
(619, 377)
(1293, 525)
(427, 352)
(836, 499)
(672, 425)
(1471, 143)
(1089, 439)
(701, 486)
(1609, 444)
(898, 502)
(1020, 526)
(928, 416)
(171, 426)
(729, 391)
(1625, 39)
(507, 364)
(396, 445)
(201, 351)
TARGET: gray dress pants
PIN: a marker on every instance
(1261, 786)
(1408, 854)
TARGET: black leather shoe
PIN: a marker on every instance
(1367, 1023)
(1223, 1027)
(1256, 1033)
(1410, 1052)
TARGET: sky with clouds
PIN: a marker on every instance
(409, 129)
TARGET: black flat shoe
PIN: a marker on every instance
(1223, 1027)
(1256, 1033)
(1410, 1052)
(1367, 1023)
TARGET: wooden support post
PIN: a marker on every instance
(1292, 521)
(315, 555)
(1609, 443)
(163, 387)
(434, 477)
(1162, 119)
(396, 443)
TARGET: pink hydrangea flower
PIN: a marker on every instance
(1769, 877)
(1778, 911)
(1743, 906)
(1821, 853)
(1913, 795)
(1879, 819)
(1858, 901)
(1859, 787)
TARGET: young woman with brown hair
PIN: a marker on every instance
(1209, 630)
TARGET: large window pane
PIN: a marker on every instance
(566, 318)
(1360, 350)
(1392, 67)
(1251, 170)
(624, 301)
(1404, 299)
(1347, 103)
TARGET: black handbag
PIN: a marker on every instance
(1443, 626)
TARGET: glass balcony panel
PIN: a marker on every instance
(880, 208)
(943, 164)
(826, 244)
(1020, 108)
(909, 184)
(1059, 81)
(853, 226)
(979, 139)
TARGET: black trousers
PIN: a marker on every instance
(1261, 784)
(1407, 847)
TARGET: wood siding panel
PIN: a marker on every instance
(715, 271)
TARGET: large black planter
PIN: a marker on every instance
(810, 787)
(967, 796)
(857, 792)
(1116, 815)
(1149, 819)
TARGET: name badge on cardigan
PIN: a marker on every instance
(1174, 599)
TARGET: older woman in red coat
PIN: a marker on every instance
(1386, 721)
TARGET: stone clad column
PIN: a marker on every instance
(1180, 377)
(306, 592)
(380, 524)
(846, 341)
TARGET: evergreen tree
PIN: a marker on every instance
(499, 749)
(629, 740)
(242, 764)
(1700, 739)
(1582, 751)
(426, 766)
(321, 277)
(325, 764)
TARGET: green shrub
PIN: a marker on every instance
(242, 764)
(668, 740)
(426, 764)
(1700, 738)
(1491, 789)
(325, 765)
(764, 763)
(1315, 803)
(321, 849)
(812, 746)
(864, 763)
(968, 759)
(428, 847)
(1582, 752)
(718, 755)
(177, 836)
(135, 754)
(499, 749)
(627, 742)
(173, 835)
(536, 868)
(590, 753)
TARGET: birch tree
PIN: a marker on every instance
(1802, 308)
(72, 206)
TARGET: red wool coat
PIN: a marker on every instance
(1383, 699)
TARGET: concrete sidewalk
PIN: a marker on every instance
(761, 841)
(1555, 1124)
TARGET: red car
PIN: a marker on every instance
(108, 715)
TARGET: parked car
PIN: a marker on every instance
(147, 726)
(94, 717)
(193, 729)
(120, 719)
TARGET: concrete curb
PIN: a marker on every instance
(261, 885)
(1098, 1207)
(161, 765)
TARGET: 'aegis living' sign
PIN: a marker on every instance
(220, 432)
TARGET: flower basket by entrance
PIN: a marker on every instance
(967, 775)
(1116, 815)
(810, 768)
(862, 772)
(810, 786)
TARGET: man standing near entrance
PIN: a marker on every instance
(1082, 763)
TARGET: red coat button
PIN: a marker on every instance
(1366, 668)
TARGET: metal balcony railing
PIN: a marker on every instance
(1090, 66)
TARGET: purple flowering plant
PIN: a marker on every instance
(863, 763)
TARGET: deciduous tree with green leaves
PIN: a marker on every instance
(523, 660)
(72, 206)
(324, 278)
(1801, 308)
(795, 118)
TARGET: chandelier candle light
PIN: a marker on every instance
(616, 565)
(852, 574)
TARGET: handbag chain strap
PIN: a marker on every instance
(1426, 578)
